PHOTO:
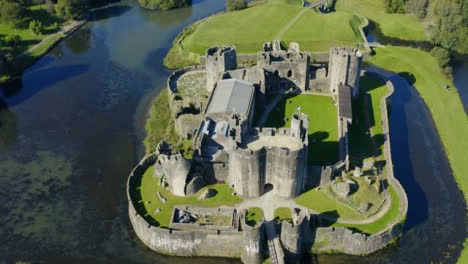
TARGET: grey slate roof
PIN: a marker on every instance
(344, 102)
(231, 95)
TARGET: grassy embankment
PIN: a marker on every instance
(323, 127)
(248, 29)
(446, 107)
(149, 201)
(160, 126)
(52, 25)
(321, 202)
(401, 26)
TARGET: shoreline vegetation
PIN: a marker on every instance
(445, 106)
(53, 23)
(164, 4)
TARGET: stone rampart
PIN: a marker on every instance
(253, 241)
(179, 242)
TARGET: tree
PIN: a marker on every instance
(10, 12)
(50, 7)
(164, 4)
(36, 27)
(232, 5)
(417, 7)
(449, 28)
(394, 6)
(13, 40)
(72, 9)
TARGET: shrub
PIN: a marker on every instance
(13, 40)
(36, 27)
(232, 5)
(394, 6)
(442, 56)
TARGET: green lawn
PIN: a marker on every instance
(445, 106)
(248, 29)
(149, 187)
(323, 127)
(319, 201)
(362, 133)
(383, 222)
(254, 216)
(38, 12)
(283, 213)
(400, 26)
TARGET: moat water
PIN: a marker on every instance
(70, 132)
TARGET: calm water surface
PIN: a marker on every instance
(70, 133)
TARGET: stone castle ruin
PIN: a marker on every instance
(253, 160)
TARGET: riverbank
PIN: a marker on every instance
(29, 57)
(445, 106)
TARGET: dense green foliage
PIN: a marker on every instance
(232, 5)
(417, 7)
(448, 19)
(12, 40)
(10, 12)
(449, 27)
(395, 6)
(443, 58)
(36, 27)
(72, 9)
(164, 4)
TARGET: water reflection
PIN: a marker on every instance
(42, 80)
(8, 126)
(80, 41)
(166, 19)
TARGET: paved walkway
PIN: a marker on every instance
(64, 31)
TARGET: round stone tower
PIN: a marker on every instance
(345, 68)
(218, 61)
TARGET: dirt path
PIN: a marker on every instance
(290, 24)
(269, 202)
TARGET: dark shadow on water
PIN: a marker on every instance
(42, 79)
(8, 126)
(403, 168)
(167, 19)
(109, 12)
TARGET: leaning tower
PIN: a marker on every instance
(344, 68)
(218, 61)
